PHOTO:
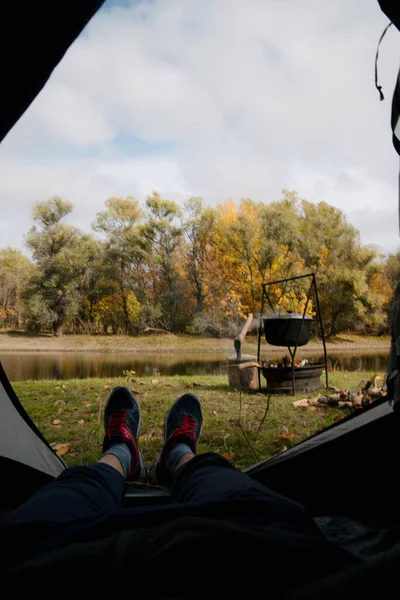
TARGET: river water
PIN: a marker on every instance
(20, 366)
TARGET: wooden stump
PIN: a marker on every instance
(241, 377)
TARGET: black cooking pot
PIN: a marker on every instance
(285, 329)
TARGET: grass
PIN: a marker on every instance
(71, 412)
(13, 341)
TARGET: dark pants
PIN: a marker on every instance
(83, 499)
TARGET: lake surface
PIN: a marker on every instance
(20, 366)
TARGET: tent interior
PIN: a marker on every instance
(346, 475)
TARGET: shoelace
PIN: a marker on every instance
(117, 426)
(187, 428)
(117, 423)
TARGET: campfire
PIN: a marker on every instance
(286, 362)
(279, 375)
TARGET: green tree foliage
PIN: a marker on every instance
(164, 236)
(331, 248)
(193, 268)
(62, 254)
(125, 252)
(198, 224)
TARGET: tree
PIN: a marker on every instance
(15, 273)
(257, 243)
(62, 254)
(331, 248)
(126, 251)
(164, 237)
(198, 225)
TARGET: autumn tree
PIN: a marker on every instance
(15, 273)
(62, 254)
(258, 243)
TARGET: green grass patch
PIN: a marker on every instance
(71, 412)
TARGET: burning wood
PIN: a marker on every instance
(365, 393)
(285, 362)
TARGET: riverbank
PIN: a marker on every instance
(21, 342)
(70, 415)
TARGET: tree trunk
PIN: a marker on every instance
(57, 329)
(127, 321)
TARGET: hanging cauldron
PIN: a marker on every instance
(287, 329)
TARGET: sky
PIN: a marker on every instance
(214, 98)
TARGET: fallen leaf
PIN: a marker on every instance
(142, 383)
(188, 386)
(135, 392)
(286, 437)
(313, 409)
(60, 411)
(283, 449)
(56, 421)
(227, 456)
(213, 412)
(155, 381)
(337, 417)
(61, 449)
(88, 404)
(81, 422)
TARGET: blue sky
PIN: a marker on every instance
(218, 98)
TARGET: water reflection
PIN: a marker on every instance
(62, 365)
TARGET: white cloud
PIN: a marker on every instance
(72, 117)
(220, 98)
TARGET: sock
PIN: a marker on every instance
(122, 452)
(176, 454)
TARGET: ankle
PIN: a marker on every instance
(112, 461)
(183, 460)
(175, 454)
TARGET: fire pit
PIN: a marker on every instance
(279, 378)
(291, 329)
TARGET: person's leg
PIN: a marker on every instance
(81, 493)
(209, 478)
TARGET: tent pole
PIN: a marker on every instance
(322, 331)
(259, 336)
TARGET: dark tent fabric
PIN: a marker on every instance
(35, 37)
(346, 469)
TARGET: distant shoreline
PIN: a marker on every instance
(169, 343)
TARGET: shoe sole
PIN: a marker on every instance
(142, 475)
